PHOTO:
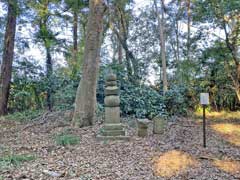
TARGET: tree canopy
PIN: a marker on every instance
(200, 51)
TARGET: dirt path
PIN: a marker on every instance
(176, 154)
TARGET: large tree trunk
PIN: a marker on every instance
(232, 45)
(85, 102)
(238, 93)
(237, 82)
(162, 44)
(8, 52)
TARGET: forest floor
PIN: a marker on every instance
(28, 150)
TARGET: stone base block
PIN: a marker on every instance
(116, 126)
(104, 138)
(113, 133)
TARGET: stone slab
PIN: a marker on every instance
(113, 132)
(111, 83)
(111, 91)
(104, 138)
(116, 126)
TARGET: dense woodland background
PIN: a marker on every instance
(164, 54)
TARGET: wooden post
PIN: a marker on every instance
(204, 126)
(204, 100)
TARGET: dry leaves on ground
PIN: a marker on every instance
(175, 154)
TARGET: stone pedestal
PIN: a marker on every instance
(112, 128)
(142, 127)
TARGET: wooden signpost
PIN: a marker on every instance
(204, 100)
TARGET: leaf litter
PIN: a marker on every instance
(175, 154)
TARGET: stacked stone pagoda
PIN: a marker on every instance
(112, 128)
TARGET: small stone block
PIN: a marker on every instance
(159, 125)
(142, 132)
(143, 123)
(143, 127)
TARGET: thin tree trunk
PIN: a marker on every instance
(85, 102)
(129, 55)
(179, 74)
(49, 77)
(188, 28)
(122, 35)
(120, 53)
(8, 53)
(162, 43)
(75, 40)
(177, 41)
(46, 37)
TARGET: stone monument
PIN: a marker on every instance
(112, 128)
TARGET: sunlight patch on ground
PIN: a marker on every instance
(223, 115)
(229, 166)
(229, 131)
(172, 163)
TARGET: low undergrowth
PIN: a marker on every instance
(14, 160)
(24, 116)
(65, 139)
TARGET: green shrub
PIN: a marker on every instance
(65, 92)
(14, 160)
(176, 101)
(66, 139)
(27, 90)
(141, 101)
